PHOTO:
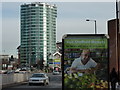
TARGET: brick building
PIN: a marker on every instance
(114, 45)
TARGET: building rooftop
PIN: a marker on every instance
(39, 3)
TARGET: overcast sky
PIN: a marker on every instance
(71, 18)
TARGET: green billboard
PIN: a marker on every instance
(85, 61)
(86, 43)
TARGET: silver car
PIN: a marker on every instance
(56, 72)
(39, 78)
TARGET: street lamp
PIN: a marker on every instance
(95, 25)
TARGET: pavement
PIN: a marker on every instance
(23, 83)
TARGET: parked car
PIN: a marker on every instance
(55, 72)
(3, 71)
(6, 71)
(17, 70)
(39, 78)
(10, 72)
(22, 70)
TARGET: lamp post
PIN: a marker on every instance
(95, 24)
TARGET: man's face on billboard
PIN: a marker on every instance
(85, 55)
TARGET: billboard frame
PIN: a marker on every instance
(73, 35)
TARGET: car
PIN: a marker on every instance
(39, 78)
(3, 71)
(22, 70)
(55, 72)
(10, 72)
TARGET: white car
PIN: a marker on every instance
(55, 72)
(39, 78)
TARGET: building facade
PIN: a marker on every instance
(114, 45)
(38, 32)
(4, 62)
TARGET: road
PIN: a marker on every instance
(55, 83)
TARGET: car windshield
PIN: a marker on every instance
(38, 75)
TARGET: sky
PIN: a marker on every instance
(71, 19)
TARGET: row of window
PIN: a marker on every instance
(49, 18)
(37, 36)
(39, 28)
(38, 14)
(29, 47)
(24, 13)
(37, 51)
(35, 41)
(33, 9)
(32, 32)
(38, 11)
(39, 32)
(29, 30)
(31, 51)
(32, 44)
(38, 39)
(38, 19)
(31, 20)
(29, 27)
(32, 16)
(28, 24)
(30, 38)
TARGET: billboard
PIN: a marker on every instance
(85, 61)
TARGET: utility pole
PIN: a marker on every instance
(117, 35)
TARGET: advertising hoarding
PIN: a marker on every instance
(78, 53)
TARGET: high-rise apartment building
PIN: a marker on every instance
(38, 32)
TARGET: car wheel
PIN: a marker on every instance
(47, 83)
(44, 83)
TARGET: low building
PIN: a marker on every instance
(18, 48)
(57, 61)
(4, 59)
(59, 47)
(7, 62)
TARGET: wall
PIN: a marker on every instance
(14, 78)
(113, 49)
